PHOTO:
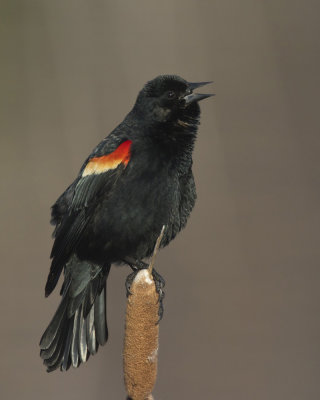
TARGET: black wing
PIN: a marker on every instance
(73, 210)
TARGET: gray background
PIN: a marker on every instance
(242, 314)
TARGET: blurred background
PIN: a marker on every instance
(242, 307)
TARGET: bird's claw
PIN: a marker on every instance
(159, 283)
(129, 280)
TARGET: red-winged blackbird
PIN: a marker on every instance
(136, 180)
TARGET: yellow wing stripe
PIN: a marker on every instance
(98, 165)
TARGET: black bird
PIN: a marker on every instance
(136, 180)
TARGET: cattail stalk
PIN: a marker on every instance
(140, 356)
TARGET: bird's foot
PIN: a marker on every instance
(129, 280)
(137, 265)
(160, 284)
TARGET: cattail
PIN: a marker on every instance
(141, 341)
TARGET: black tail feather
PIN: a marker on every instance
(47, 353)
(66, 355)
(79, 324)
(54, 326)
(75, 340)
(83, 349)
(100, 318)
(93, 345)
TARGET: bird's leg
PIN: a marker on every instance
(136, 266)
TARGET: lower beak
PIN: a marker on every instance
(195, 97)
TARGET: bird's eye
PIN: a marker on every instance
(171, 94)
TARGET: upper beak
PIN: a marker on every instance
(191, 98)
(196, 85)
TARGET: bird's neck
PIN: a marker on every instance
(171, 141)
(175, 143)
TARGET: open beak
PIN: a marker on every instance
(195, 97)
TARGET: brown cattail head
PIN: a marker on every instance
(141, 337)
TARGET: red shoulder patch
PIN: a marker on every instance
(98, 165)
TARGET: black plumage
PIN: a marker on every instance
(136, 180)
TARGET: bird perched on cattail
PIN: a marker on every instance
(136, 180)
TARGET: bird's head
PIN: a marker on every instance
(170, 99)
